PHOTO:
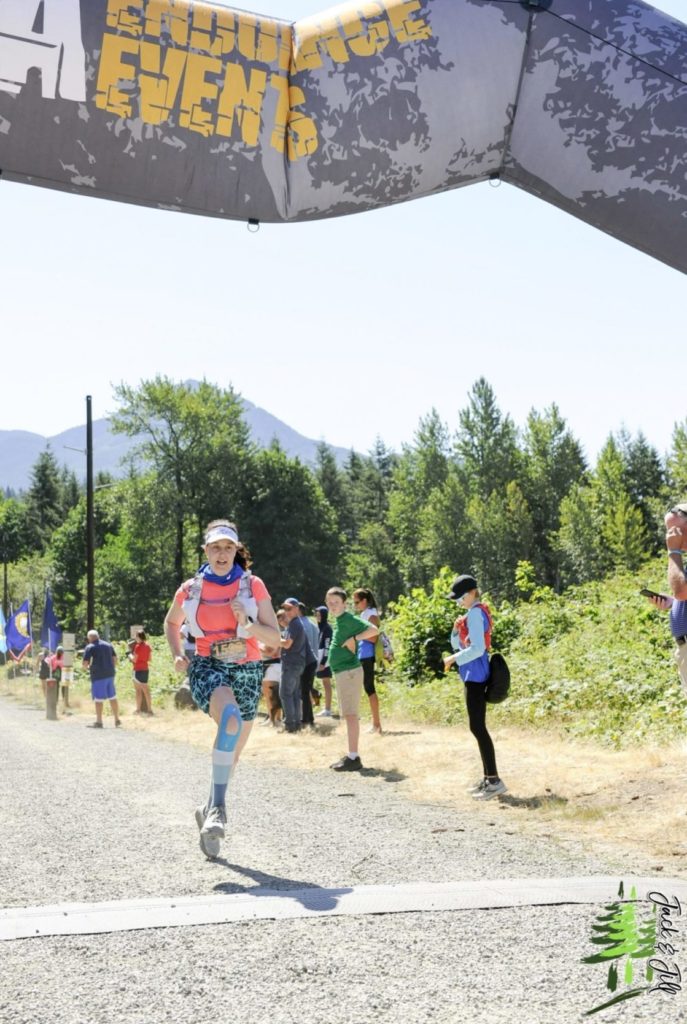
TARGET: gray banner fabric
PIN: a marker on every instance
(207, 109)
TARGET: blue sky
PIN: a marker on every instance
(373, 318)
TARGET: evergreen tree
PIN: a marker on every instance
(371, 562)
(421, 470)
(676, 467)
(375, 483)
(552, 463)
(645, 481)
(579, 539)
(354, 471)
(13, 539)
(70, 490)
(623, 532)
(486, 443)
(291, 529)
(44, 500)
(445, 537)
(502, 536)
(431, 450)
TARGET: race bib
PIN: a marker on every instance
(229, 650)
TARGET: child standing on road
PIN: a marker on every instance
(347, 631)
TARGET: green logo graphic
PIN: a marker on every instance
(624, 937)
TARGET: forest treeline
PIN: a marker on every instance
(481, 495)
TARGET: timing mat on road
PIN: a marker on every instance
(258, 903)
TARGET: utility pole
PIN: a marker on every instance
(90, 520)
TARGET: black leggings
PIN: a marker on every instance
(476, 703)
(368, 666)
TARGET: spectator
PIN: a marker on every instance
(293, 658)
(140, 654)
(229, 612)
(100, 659)
(676, 543)
(324, 672)
(348, 630)
(471, 638)
(364, 606)
(308, 692)
(56, 662)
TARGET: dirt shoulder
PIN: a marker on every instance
(631, 800)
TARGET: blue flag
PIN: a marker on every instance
(18, 631)
(3, 639)
(51, 634)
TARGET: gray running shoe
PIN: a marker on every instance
(208, 845)
(490, 789)
(477, 788)
(214, 823)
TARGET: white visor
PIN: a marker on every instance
(221, 533)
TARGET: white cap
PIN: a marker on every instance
(221, 533)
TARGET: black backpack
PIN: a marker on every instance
(499, 679)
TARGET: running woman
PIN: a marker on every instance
(228, 611)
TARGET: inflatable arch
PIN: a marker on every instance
(203, 108)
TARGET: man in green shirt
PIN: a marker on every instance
(347, 630)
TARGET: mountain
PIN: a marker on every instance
(19, 449)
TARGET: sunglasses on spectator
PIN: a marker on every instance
(678, 512)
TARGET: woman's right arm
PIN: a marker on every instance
(174, 620)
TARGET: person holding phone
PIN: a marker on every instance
(676, 604)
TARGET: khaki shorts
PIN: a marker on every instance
(681, 659)
(349, 687)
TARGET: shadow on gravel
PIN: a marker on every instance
(533, 803)
(392, 775)
(309, 895)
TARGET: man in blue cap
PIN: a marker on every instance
(293, 658)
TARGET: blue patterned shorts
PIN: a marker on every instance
(206, 674)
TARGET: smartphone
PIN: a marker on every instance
(650, 593)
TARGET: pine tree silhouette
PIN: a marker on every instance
(622, 935)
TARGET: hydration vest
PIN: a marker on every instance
(192, 602)
(461, 626)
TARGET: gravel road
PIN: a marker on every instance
(89, 816)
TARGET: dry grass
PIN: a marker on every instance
(630, 800)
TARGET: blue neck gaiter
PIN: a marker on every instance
(234, 574)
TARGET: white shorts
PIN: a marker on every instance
(272, 674)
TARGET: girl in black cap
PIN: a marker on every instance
(471, 639)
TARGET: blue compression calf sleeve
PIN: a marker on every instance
(223, 754)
